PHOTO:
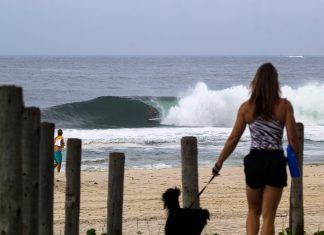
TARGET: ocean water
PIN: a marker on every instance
(105, 101)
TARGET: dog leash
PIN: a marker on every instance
(211, 179)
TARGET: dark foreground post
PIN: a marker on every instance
(46, 179)
(189, 160)
(11, 111)
(30, 169)
(115, 193)
(72, 193)
(296, 212)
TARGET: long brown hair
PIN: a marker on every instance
(265, 91)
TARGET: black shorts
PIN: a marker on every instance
(265, 167)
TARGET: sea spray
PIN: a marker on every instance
(308, 103)
(204, 107)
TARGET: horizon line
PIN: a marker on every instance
(168, 55)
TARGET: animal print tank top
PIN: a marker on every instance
(266, 134)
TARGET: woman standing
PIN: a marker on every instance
(266, 114)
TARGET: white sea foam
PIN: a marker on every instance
(148, 137)
(205, 107)
(153, 166)
(295, 56)
(314, 133)
(308, 102)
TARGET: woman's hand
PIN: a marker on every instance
(217, 167)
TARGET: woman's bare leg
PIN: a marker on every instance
(254, 198)
(270, 202)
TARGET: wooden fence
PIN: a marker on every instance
(27, 175)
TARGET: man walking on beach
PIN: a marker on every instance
(58, 146)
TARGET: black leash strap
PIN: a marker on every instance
(211, 179)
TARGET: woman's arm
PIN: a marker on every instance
(233, 139)
(291, 127)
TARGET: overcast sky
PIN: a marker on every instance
(162, 27)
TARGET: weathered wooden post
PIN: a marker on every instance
(296, 212)
(72, 192)
(30, 169)
(189, 160)
(11, 111)
(115, 193)
(46, 179)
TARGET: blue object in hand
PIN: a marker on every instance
(292, 162)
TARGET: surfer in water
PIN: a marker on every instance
(152, 113)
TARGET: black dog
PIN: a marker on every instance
(182, 221)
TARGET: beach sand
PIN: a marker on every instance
(143, 211)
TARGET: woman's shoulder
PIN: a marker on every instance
(246, 109)
(246, 106)
(285, 103)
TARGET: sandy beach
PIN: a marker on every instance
(143, 211)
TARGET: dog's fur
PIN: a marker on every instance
(182, 221)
